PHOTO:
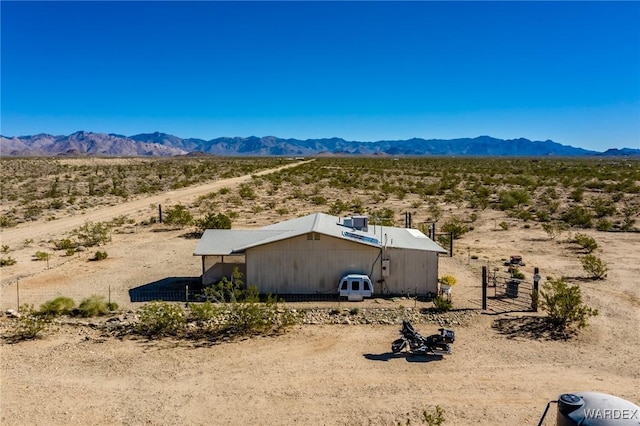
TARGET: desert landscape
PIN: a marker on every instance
(503, 370)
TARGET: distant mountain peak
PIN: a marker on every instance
(162, 144)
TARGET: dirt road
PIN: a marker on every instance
(47, 230)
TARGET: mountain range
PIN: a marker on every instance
(161, 144)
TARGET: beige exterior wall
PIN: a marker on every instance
(314, 266)
(411, 271)
(309, 266)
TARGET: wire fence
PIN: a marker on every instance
(180, 289)
(17, 294)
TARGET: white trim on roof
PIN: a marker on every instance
(231, 241)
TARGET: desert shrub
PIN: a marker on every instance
(5, 248)
(59, 306)
(429, 417)
(41, 255)
(578, 216)
(356, 205)
(456, 227)
(93, 306)
(319, 200)
(504, 225)
(522, 214)
(563, 305)
(517, 274)
(480, 198)
(443, 240)
(213, 221)
(92, 234)
(30, 325)
(588, 243)
(122, 220)
(629, 212)
(594, 267)
(203, 313)
(246, 192)
(100, 255)
(435, 211)
(554, 229)
(604, 225)
(577, 194)
(383, 217)
(157, 319)
(241, 311)
(442, 304)
(227, 290)
(7, 222)
(535, 300)
(235, 200)
(513, 198)
(178, 215)
(435, 418)
(250, 317)
(603, 207)
(354, 311)
(337, 207)
(8, 261)
(543, 216)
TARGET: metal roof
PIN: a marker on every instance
(231, 241)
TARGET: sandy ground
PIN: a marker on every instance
(499, 374)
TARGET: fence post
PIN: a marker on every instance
(484, 288)
(160, 213)
(186, 293)
(536, 283)
(18, 293)
(450, 244)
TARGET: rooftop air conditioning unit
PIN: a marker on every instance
(361, 223)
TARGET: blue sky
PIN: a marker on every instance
(566, 71)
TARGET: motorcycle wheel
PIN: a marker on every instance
(398, 345)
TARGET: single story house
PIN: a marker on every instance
(309, 255)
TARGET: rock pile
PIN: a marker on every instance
(384, 316)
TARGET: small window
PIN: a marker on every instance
(367, 287)
(344, 285)
(309, 237)
(355, 285)
(316, 236)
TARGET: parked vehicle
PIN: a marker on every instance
(355, 287)
(436, 344)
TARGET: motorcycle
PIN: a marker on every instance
(436, 344)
